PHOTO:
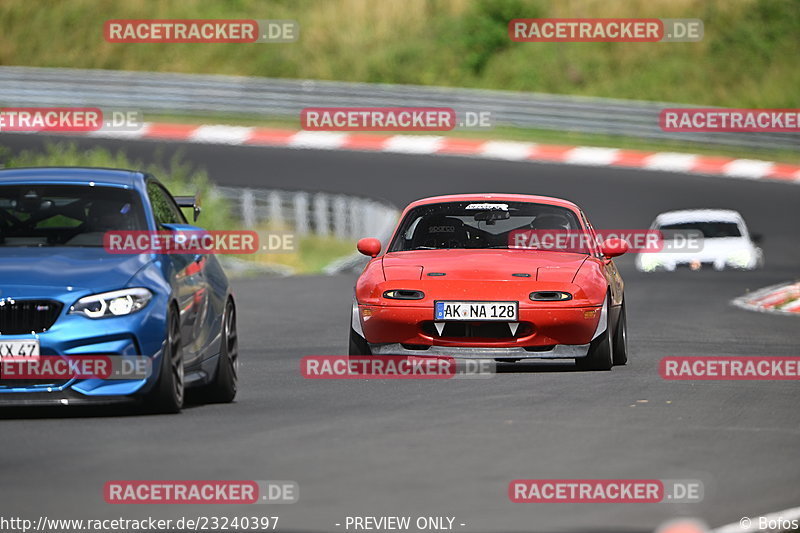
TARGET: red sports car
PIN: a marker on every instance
(502, 276)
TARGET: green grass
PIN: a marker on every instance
(748, 57)
(181, 178)
(313, 254)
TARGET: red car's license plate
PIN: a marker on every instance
(501, 311)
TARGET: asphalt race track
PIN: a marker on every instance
(450, 448)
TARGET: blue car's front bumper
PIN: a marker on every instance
(139, 334)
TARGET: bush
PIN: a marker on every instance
(179, 176)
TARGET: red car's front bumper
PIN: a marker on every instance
(542, 332)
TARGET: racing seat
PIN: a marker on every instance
(560, 225)
(101, 217)
(438, 231)
(551, 221)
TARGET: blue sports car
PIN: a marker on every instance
(63, 294)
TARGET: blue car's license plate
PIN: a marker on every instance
(19, 348)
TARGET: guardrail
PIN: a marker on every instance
(318, 213)
(321, 214)
(151, 92)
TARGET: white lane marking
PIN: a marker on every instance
(747, 168)
(506, 150)
(670, 161)
(221, 134)
(413, 144)
(588, 155)
(119, 134)
(324, 140)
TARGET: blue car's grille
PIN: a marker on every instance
(18, 317)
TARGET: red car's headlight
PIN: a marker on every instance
(404, 294)
(550, 296)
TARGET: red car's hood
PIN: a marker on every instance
(482, 264)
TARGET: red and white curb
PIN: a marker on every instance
(783, 299)
(453, 146)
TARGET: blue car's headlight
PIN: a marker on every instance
(115, 303)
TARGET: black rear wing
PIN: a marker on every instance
(189, 201)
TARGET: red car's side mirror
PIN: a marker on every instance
(614, 247)
(369, 247)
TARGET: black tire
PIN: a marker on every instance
(601, 350)
(168, 394)
(621, 338)
(225, 385)
(358, 344)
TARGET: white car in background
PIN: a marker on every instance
(725, 243)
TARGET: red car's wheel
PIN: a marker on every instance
(601, 350)
(621, 338)
(358, 345)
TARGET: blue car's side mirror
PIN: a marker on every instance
(189, 202)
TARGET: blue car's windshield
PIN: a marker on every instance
(66, 215)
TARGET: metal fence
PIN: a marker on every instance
(304, 213)
(266, 97)
(321, 214)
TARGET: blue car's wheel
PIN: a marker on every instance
(223, 388)
(167, 396)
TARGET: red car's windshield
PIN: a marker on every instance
(480, 225)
